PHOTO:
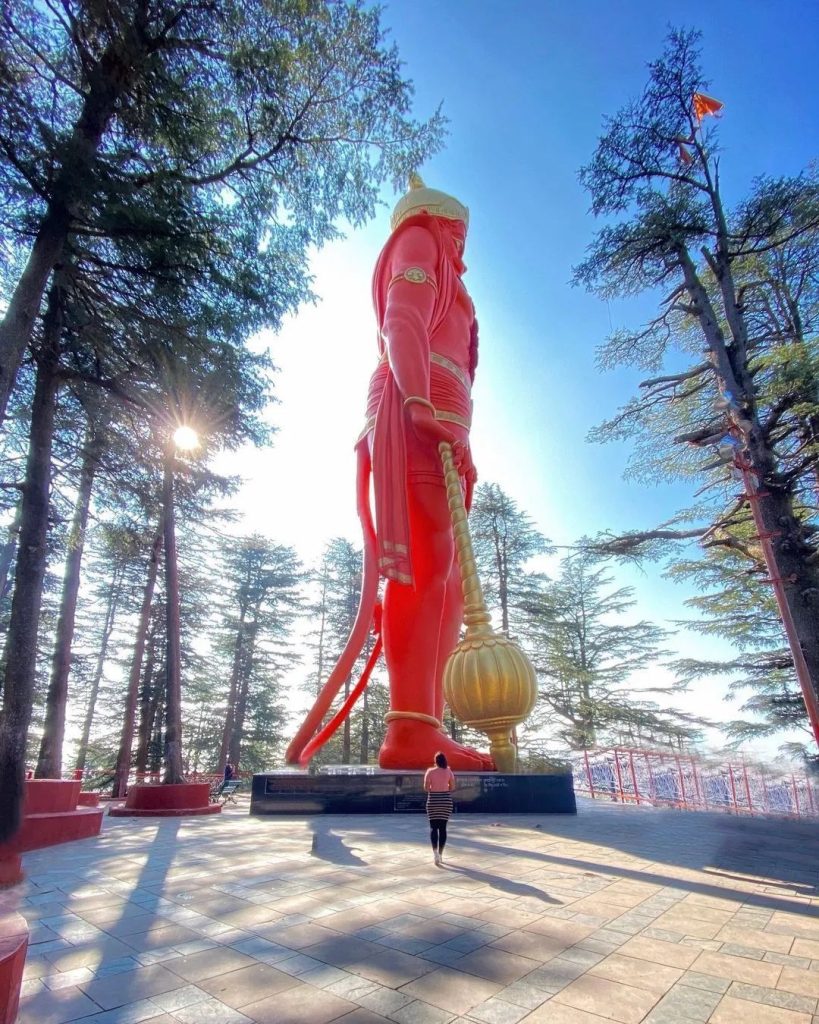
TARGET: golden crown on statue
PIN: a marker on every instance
(421, 199)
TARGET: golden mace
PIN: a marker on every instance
(488, 681)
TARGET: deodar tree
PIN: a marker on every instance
(164, 170)
(265, 581)
(505, 540)
(738, 420)
(292, 110)
(588, 654)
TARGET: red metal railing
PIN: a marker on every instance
(651, 777)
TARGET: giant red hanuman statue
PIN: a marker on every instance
(419, 395)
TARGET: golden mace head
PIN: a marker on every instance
(488, 681)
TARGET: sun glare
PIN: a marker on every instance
(186, 438)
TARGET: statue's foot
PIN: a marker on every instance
(410, 744)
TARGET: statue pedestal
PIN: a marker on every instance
(347, 789)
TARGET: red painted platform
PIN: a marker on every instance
(167, 801)
(42, 796)
(13, 945)
(11, 869)
(51, 828)
(89, 800)
(50, 816)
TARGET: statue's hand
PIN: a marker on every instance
(431, 431)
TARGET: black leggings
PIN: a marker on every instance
(437, 833)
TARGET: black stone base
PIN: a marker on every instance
(350, 790)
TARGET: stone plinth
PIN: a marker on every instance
(347, 790)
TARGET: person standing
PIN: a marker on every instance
(438, 785)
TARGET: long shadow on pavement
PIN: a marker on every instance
(327, 845)
(504, 884)
(770, 853)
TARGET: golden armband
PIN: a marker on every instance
(415, 275)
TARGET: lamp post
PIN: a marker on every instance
(183, 439)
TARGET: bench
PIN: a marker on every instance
(227, 791)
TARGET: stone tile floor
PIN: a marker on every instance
(619, 914)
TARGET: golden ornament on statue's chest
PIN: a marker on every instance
(488, 681)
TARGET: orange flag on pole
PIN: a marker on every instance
(705, 106)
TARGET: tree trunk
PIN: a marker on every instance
(789, 564)
(114, 592)
(346, 744)
(18, 689)
(49, 763)
(123, 765)
(503, 592)
(230, 717)
(156, 745)
(809, 435)
(107, 80)
(9, 550)
(322, 626)
(173, 654)
(792, 569)
(235, 748)
(245, 673)
(364, 757)
(196, 743)
(24, 304)
(147, 708)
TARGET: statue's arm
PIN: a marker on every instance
(408, 310)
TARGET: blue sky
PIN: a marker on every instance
(525, 87)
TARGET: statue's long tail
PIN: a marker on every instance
(305, 743)
(318, 741)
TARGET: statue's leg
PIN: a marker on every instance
(412, 614)
(420, 628)
(450, 632)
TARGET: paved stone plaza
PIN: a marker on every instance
(622, 913)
